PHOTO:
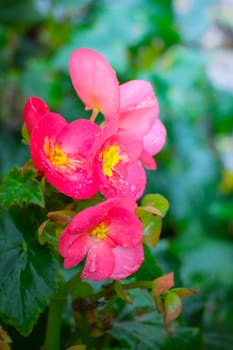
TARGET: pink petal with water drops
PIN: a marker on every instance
(76, 251)
(155, 139)
(105, 226)
(95, 81)
(64, 153)
(138, 107)
(128, 261)
(35, 108)
(100, 262)
(125, 228)
(50, 126)
(128, 183)
(81, 137)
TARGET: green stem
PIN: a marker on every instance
(131, 285)
(54, 321)
(85, 329)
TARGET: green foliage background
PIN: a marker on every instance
(185, 49)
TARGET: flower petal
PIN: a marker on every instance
(155, 139)
(129, 184)
(49, 126)
(125, 228)
(95, 81)
(73, 248)
(35, 108)
(127, 261)
(77, 142)
(99, 263)
(148, 161)
(138, 107)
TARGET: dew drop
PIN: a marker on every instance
(133, 188)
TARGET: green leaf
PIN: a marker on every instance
(149, 270)
(152, 226)
(155, 204)
(184, 338)
(172, 307)
(20, 187)
(27, 271)
(162, 284)
(139, 330)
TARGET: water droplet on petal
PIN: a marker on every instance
(133, 188)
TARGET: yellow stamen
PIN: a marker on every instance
(111, 157)
(55, 154)
(100, 231)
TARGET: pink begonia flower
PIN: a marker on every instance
(34, 109)
(138, 114)
(109, 236)
(64, 152)
(120, 172)
(95, 82)
(132, 105)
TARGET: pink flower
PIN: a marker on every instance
(109, 236)
(64, 152)
(35, 108)
(132, 105)
(95, 81)
(119, 170)
(138, 114)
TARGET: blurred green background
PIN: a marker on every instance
(185, 49)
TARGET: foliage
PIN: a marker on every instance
(172, 47)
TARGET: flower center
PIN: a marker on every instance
(111, 157)
(100, 231)
(55, 153)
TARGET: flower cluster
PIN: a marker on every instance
(82, 158)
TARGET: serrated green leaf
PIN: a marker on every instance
(184, 338)
(19, 187)
(139, 325)
(27, 271)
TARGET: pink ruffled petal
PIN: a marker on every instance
(127, 261)
(130, 145)
(99, 263)
(81, 135)
(95, 81)
(155, 139)
(87, 219)
(148, 161)
(131, 184)
(125, 228)
(35, 108)
(73, 248)
(138, 107)
(49, 126)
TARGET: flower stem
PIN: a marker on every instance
(54, 321)
(132, 285)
